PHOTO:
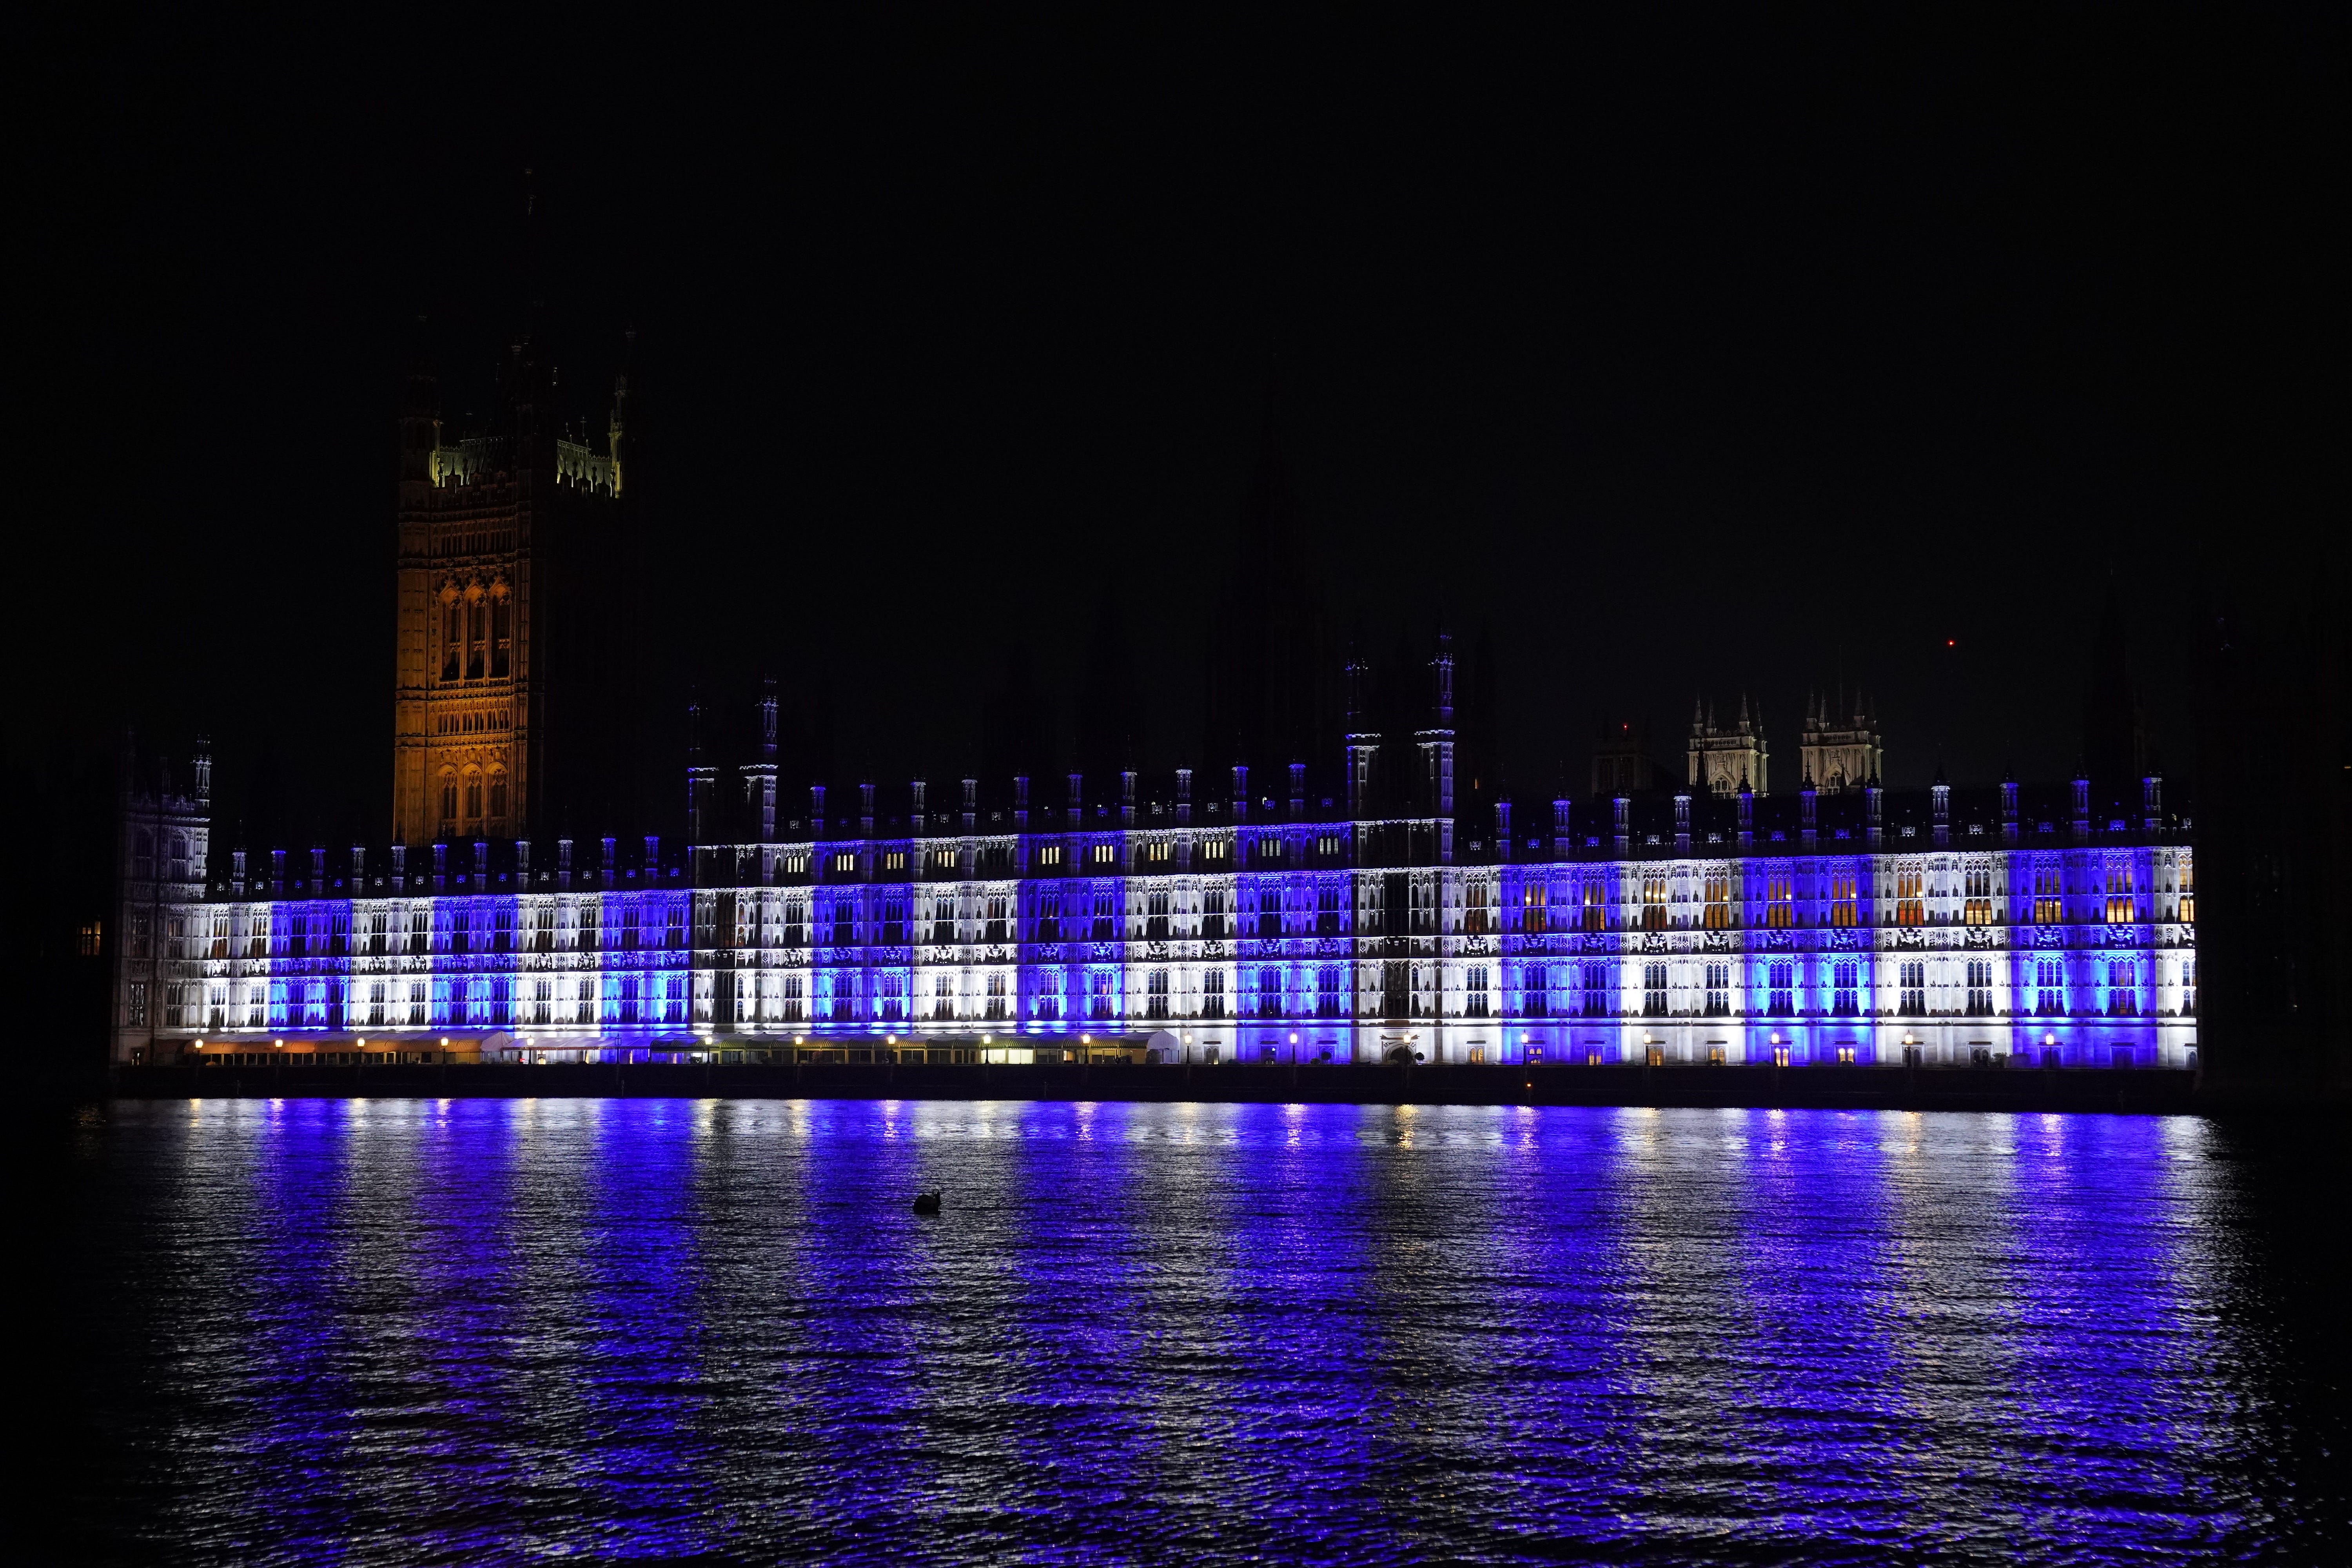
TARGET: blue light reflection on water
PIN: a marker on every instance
(397, 1331)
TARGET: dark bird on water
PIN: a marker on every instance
(926, 1203)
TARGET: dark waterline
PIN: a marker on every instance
(406, 1332)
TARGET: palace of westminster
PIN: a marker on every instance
(1325, 890)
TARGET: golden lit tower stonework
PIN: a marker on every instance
(482, 675)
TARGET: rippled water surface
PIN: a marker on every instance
(406, 1332)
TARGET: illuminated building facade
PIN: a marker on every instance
(1340, 895)
(1877, 926)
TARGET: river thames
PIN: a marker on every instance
(420, 1332)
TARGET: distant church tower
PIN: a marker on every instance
(514, 685)
(1621, 763)
(1726, 759)
(1841, 751)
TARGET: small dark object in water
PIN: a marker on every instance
(926, 1203)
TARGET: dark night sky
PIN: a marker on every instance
(1720, 356)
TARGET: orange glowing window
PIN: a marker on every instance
(2049, 896)
(1910, 905)
(1654, 900)
(2122, 899)
(1978, 890)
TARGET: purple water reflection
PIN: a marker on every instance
(411, 1332)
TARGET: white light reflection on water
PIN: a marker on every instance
(387, 1332)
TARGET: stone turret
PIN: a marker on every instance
(1841, 751)
(1720, 757)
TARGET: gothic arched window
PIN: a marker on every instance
(498, 792)
(448, 800)
(476, 620)
(452, 638)
(501, 638)
(473, 796)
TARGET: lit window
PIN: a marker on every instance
(2122, 900)
(1977, 883)
(2049, 901)
(1654, 900)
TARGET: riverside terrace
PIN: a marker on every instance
(1123, 1075)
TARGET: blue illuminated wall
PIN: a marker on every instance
(1240, 940)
